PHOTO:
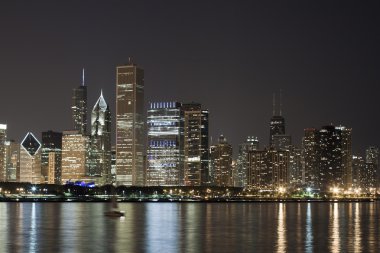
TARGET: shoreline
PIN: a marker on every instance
(183, 200)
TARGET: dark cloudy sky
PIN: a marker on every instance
(228, 55)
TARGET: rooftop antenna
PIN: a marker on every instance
(130, 60)
(274, 104)
(280, 102)
(83, 77)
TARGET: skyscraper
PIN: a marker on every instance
(165, 144)
(277, 122)
(30, 160)
(252, 143)
(74, 156)
(358, 167)
(372, 162)
(310, 172)
(295, 166)
(79, 107)
(196, 152)
(13, 161)
(268, 169)
(130, 125)
(100, 143)
(3, 157)
(221, 163)
(51, 143)
(334, 156)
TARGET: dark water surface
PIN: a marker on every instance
(191, 227)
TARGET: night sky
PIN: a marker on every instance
(228, 55)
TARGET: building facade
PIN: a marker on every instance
(30, 160)
(79, 108)
(13, 161)
(196, 139)
(310, 172)
(242, 166)
(268, 169)
(130, 125)
(99, 164)
(221, 163)
(51, 143)
(165, 144)
(74, 157)
(3, 153)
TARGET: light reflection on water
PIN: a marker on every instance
(191, 227)
(281, 229)
(309, 230)
(334, 234)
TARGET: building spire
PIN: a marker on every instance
(83, 77)
(274, 104)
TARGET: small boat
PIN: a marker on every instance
(114, 212)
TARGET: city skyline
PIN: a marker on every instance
(327, 74)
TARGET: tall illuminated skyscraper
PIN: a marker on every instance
(129, 125)
(268, 169)
(51, 143)
(252, 143)
(3, 158)
(74, 156)
(100, 143)
(196, 154)
(327, 157)
(372, 162)
(79, 107)
(165, 144)
(13, 161)
(30, 160)
(221, 163)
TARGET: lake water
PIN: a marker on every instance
(191, 227)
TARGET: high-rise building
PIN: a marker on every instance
(99, 164)
(372, 157)
(30, 160)
(3, 153)
(51, 143)
(368, 178)
(310, 172)
(281, 141)
(277, 127)
(268, 169)
(295, 166)
(13, 161)
(327, 157)
(221, 163)
(358, 167)
(74, 157)
(196, 154)
(165, 144)
(79, 107)
(252, 143)
(277, 122)
(334, 157)
(130, 125)
(346, 142)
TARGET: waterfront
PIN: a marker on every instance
(191, 227)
